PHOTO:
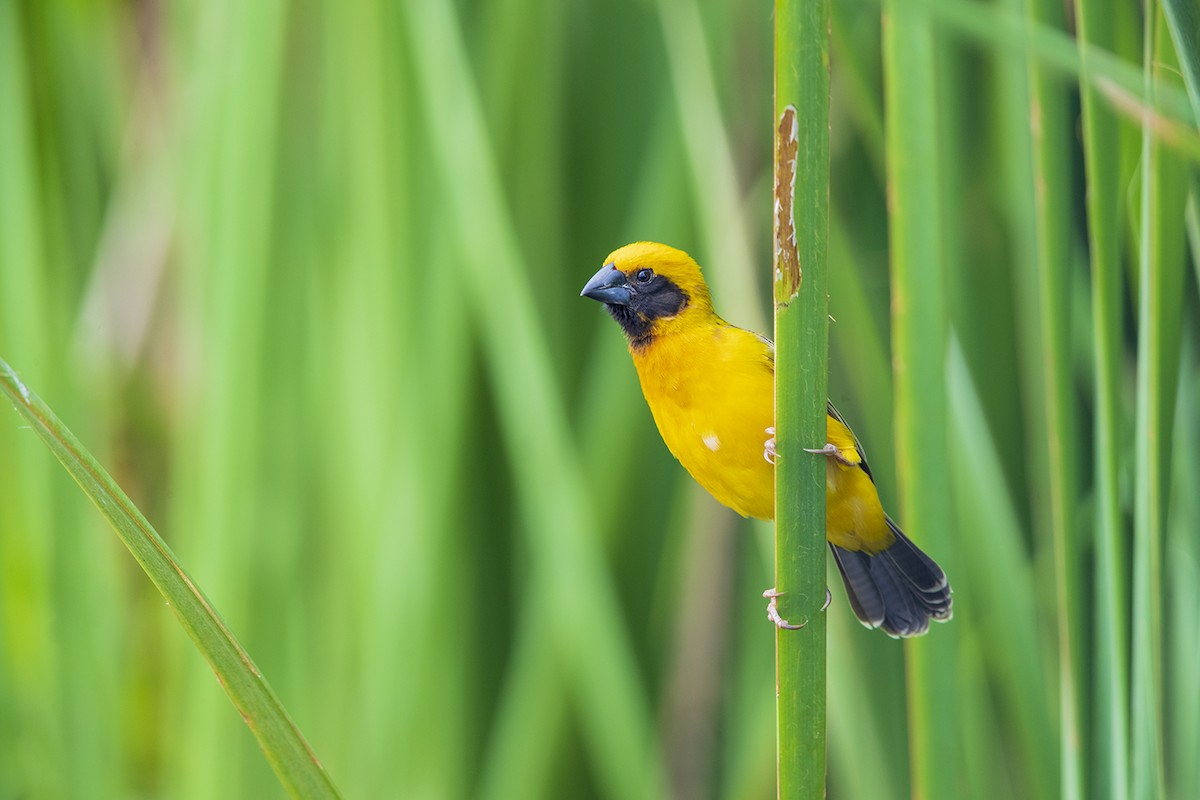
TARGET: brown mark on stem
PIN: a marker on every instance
(787, 259)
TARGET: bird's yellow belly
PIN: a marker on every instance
(724, 455)
(712, 396)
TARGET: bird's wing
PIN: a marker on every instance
(832, 411)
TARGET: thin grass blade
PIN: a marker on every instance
(1160, 254)
(1183, 19)
(919, 330)
(289, 755)
(1050, 132)
(1102, 145)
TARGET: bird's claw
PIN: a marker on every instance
(769, 453)
(773, 612)
(830, 450)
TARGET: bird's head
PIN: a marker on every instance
(650, 289)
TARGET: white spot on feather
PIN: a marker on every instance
(711, 442)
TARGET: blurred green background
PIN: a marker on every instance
(305, 277)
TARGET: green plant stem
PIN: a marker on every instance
(919, 326)
(801, 329)
(1159, 329)
(1051, 199)
(1101, 142)
(289, 755)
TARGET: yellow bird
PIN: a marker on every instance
(711, 388)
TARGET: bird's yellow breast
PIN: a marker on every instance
(711, 391)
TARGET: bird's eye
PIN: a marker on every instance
(644, 275)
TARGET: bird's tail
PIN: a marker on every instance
(899, 589)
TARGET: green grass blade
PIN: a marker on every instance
(293, 761)
(919, 328)
(801, 329)
(1182, 582)
(1051, 133)
(1160, 253)
(1001, 588)
(866, 712)
(1101, 141)
(549, 478)
(1183, 18)
(857, 80)
(512, 767)
(725, 236)
(1118, 81)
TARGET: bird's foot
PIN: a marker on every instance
(831, 450)
(773, 612)
(769, 448)
(828, 599)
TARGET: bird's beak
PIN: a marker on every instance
(609, 286)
